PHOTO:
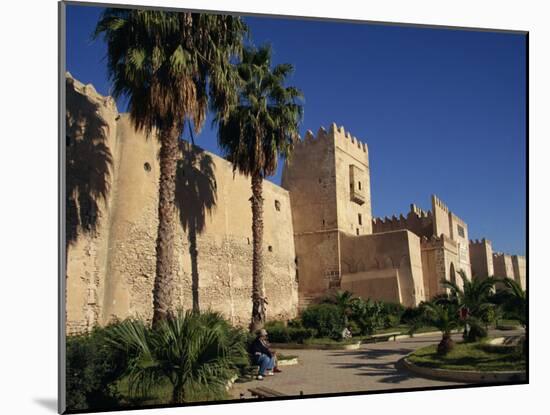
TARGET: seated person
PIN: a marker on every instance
(263, 356)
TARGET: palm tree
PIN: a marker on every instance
(474, 296)
(259, 129)
(168, 65)
(443, 316)
(197, 353)
(517, 300)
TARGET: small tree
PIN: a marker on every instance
(473, 296)
(443, 316)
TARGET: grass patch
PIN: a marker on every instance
(469, 356)
(161, 394)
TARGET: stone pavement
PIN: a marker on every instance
(370, 368)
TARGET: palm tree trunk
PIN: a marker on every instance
(178, 393)
(258, 299)
(164, 281)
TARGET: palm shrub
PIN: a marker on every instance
(517, 300)
(170, 66)
(443, 316)
(367, 315)
(197, 353)
(92, 371)
(327, 319)
(475, 296)
(260, 128)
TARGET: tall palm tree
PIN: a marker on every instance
(474, 295)
(260, 128)
(197, 353)
(167, 65)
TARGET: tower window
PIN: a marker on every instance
(277, 205)
(357, 231)
(360, 219)
(359, 185)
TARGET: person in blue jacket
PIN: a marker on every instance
(263, 356)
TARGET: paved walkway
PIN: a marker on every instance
(370, 368)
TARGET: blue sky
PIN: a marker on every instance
(442, 111)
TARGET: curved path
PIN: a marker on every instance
(370, 368)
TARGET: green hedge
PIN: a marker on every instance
(327, 319)
(279, 333)
(92, 371)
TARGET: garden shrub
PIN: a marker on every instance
(327, 319)
(354, 328)
(476, 333)
(279, 333)
(411, 314)
(299, 335)
(93, 367)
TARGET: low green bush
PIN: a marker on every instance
(279, 333)
(327, 319)
(92, 371)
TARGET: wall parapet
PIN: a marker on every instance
(439, 203)
(336, 134)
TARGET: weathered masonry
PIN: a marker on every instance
(319, 233)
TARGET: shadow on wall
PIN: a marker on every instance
(196, 194)
(88, 165)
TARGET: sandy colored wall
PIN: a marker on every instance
(91, 154)
(463, 243)
(352, 189)
(440, 213)
(481, 258)
(399, 250)
(110, 273)
(503, 265)
(520, 271)
(379, 284)
(309, 178)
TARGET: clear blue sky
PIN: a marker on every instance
(442, 111)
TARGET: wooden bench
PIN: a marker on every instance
(263, 392)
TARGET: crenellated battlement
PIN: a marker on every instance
(417, 220)
(431, 242)
(439, 203)
(482, 241)
(339, 136)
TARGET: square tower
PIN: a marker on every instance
(328, 180)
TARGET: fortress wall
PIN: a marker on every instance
(353, 191)
(520, 272)
(309, 177)
(439, 261)
(440, 213)
(459, 233)
(503, 265)
(91, 149)
(417, 221)
(216, 216)
(481, 258)
(375, 254)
